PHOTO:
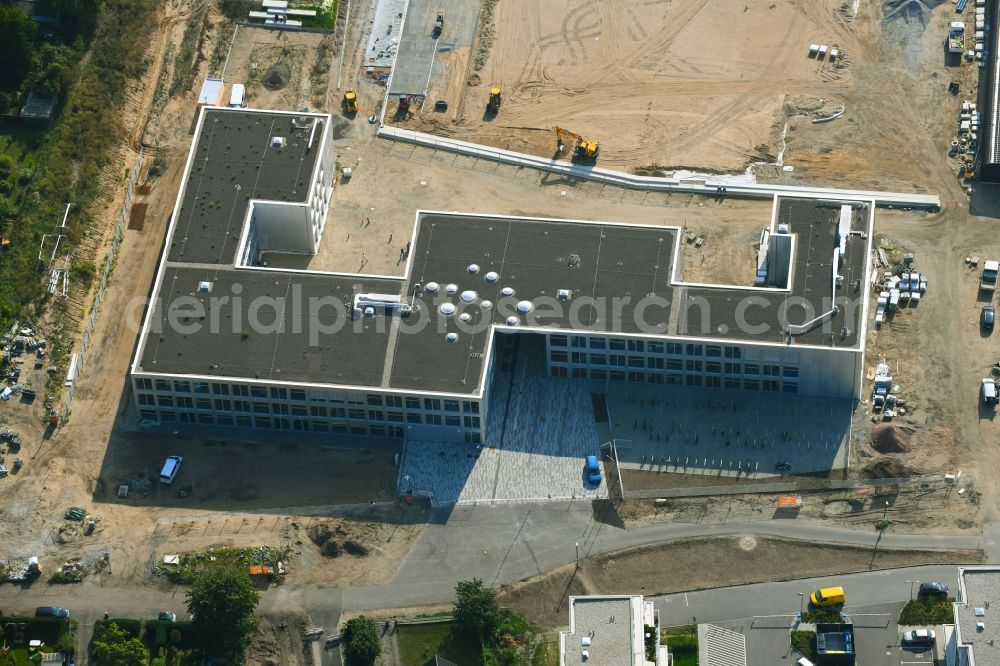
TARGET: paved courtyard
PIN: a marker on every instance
(539, 432)
(729, 433)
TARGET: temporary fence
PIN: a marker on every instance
(742, 489)
(109, 262)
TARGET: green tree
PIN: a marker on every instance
(362, 645)
(52, 69)
(477, 609)
(222, 601)
(18, 30)
(114, 647)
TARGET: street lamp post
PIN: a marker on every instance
(911, 582)
(885, 511)
(802, 601)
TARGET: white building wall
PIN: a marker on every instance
(297, 228)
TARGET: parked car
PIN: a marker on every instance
(333, 639)
(918, 637)
(989, 314)
(168, 616)
(52, 611)
(827, 596)
(593, 470)
(932, 590)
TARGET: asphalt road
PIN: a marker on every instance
(500, 544)
(771, 599)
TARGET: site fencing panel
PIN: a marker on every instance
(109, 262)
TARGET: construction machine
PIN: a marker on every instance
(350, 102)
(493, 106)
(583, 149)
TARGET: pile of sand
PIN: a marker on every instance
(277, 76)
(892, 438)
(331, 542)
(887, 468)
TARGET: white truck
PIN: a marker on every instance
(988, 282)
(956, 37)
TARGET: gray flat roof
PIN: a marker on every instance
(234, 161)
(982, 590)
(607, 622)
(815, 225)
(618, 278)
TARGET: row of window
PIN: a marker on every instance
(298, 425)
(676, 364)
(709, 381)
(284, 409)
(300, 395)
(648, 346)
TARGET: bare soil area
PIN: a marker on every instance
(694, 564)
(373, 214)
(682, 83)
(920, 504)
(721, 252)
(282, 69)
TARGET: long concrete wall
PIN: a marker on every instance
(706, 186)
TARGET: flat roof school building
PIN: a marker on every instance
(231, 342)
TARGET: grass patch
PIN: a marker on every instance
(419, 642)
(326, 15)
(804, 642)
(546, 654)
(683, 644)
(24, 657)
(927, 611)
(239, 558)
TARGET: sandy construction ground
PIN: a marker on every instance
(306, 55)
(677, 83)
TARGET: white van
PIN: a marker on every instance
(989, 391)
(236, 98)
(802, 661)
(170, 469)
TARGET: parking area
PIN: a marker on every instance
(539, 433)
(876, 637)
(420, 44)
(735, 433)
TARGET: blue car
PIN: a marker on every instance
(593, 470)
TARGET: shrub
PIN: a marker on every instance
(6, 165)
(822, 615)
(161, 633)
(362, 645)
(130, 626)
(927, 611)
(804, 642)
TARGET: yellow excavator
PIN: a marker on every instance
(493, 106)
(350, 102)
(583, 149)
